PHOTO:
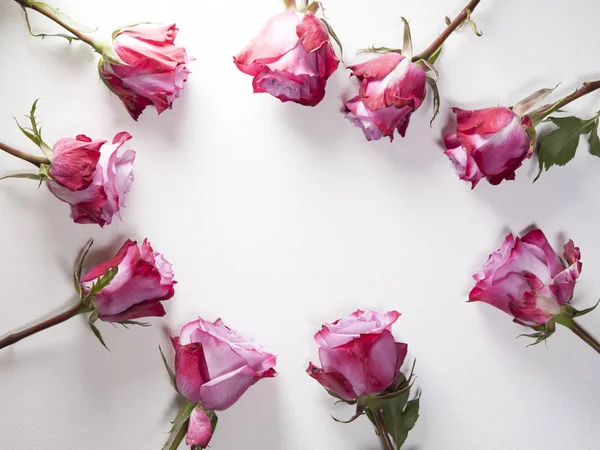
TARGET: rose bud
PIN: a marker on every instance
(291, 58)
(359, 355)
(155, 67)
(490, 143)
(143, 279)
(91, 177)
(527, 279)
(392, 87)
(215, 366)
(200, 430)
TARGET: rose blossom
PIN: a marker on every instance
(490, 143)
(155, 67)
(91, 177)
(527, 279)
(215, 366)
(291, 58)
(144, 278)
(358, 354)
(392, 87)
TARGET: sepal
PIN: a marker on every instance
(34, 132)
(92, 320)
(525, 105)
(407, 46)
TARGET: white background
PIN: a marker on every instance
(278, 217)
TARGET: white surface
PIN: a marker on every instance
(278, 217)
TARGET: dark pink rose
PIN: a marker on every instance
(527, 279)
(200, 431)
(74, 162)
(144, 279)
(99, 197)
(490, 143)
(392, 87)
(359, 355)
(156, 68)
(215, 366)
(291, 58)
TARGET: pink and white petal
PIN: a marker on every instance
(190, 370)
(100, 269)
(199, 430)
(220, 393)
(221, 359)
(277, 37)
(333, 381)
(303, 89)
(312, 33)
(538, 238)
(378, 67)
(140, 310)
(483, 121)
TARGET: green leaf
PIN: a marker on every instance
(179, 428)
(594, 140)
(333, 35)
(411, 413)
(79, 268)
(407, 45)
(101, 283)
(559, 147)
(171, 374)
(92, 319)
(436, 99)
(30, 176)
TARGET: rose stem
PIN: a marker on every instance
(437, 43)
(579, 331)
(52, 16)
(35, 160)
(381, 430)
(543, 111)
(16, 337)
(179, 436)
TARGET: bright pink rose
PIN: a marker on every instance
(291, 58)
(156, 68)
(215, 366)
(97, 190)
(527, 279)
(143, 280)
(392, 87)
(359, 355)
(490, 143)
(74, 162)
(200, 430)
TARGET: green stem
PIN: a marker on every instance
(585, 336)
(35, 160)
(179, 436)
(79, 308)
(541, 113)
(381, 430)
(50, 14)
(457, 22)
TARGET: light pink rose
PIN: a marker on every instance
(200, 431)
(291, 58)
(527, 279)
(392, 87)
(215, 366)
(156, 68)
(359, 355)
(98, 199)
(490, 143)
(144, 279)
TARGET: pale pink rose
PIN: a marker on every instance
(144, 279)
(215, 366)
(527, 279)
(99, 199)
(291, 58)
(490, 143)
(392, 87)
(200, 431)
(156, 68)
(359, 355)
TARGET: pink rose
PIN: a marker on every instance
(291, 58)
(91, 177)
(156, 68)
(359, 355)
(527, 279)
(143, 280)
(215, 366)
(490, 143)
(392, 87)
